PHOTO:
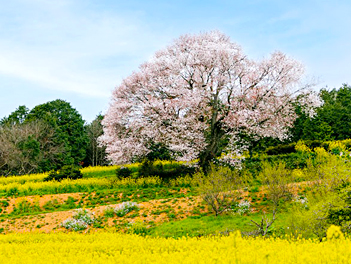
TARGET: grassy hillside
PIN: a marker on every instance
(147, 210)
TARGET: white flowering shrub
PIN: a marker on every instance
(302, 201)
(243, 207)
(84, 215)
(80, 220)
(125, 207)
(74, 224)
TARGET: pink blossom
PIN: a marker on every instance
(195, 91)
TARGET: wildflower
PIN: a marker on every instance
(244, 207)
(334, 232)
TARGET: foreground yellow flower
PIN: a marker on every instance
(108, 247)
(334, 232)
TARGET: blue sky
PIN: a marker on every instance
(80, 50)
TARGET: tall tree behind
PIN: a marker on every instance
(95, 154)
(16, 117)
(197, 96)
(332, 120)
(68, 126)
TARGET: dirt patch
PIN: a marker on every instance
(155, 211)
(41, 200)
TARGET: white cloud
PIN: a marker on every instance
(52, 44)
(87, 48)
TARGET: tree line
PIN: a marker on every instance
(48, 137)
(332, 121)
(54, 134)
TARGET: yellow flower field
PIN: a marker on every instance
(57, 187)
(23, 178)
(68, 185)
(105, 247)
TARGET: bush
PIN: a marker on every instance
(329, 200)
(164, 171)
(290, 148)
(281, 149)
(312, 219)
(84, 215)
(219, 188)
(121, 209)
(138, 228)
(75, 225)
(276, 177)
(292, 161)
(243, 207)
(66, 172)
(80, 220)
(341, 215)
(125, 207)
(109, 212)
(123, 172)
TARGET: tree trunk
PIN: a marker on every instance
(212, 150)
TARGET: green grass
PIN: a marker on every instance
(100, 174)
(212, 225)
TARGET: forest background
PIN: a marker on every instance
(54, 134)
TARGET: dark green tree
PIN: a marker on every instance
(332, 120)
(16, 117)
(68, 126)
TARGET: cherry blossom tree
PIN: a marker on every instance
(197, 92)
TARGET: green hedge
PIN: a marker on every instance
(292, 161)
(290, 148)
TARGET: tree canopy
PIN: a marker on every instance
(28, 147)
(47, 137)
(198, 95)
(68, 126)
(16, 117)
(332, 120)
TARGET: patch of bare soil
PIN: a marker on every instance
(41, 200)
(151, 211)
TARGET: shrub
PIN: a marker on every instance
(292, 161)
(75, 225)
(334, 232)
(165, 171)
(341, 215)
(243, 207)
(276, 178)
(137, 228)
(301, 147)
(66, 172)
(291, 147)
(219, 188)
(80, 220)
(281, 149)
(109, 212)
(124, 208)
(84, 215)
(312, 220)
(123, 172)
(329, 202)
